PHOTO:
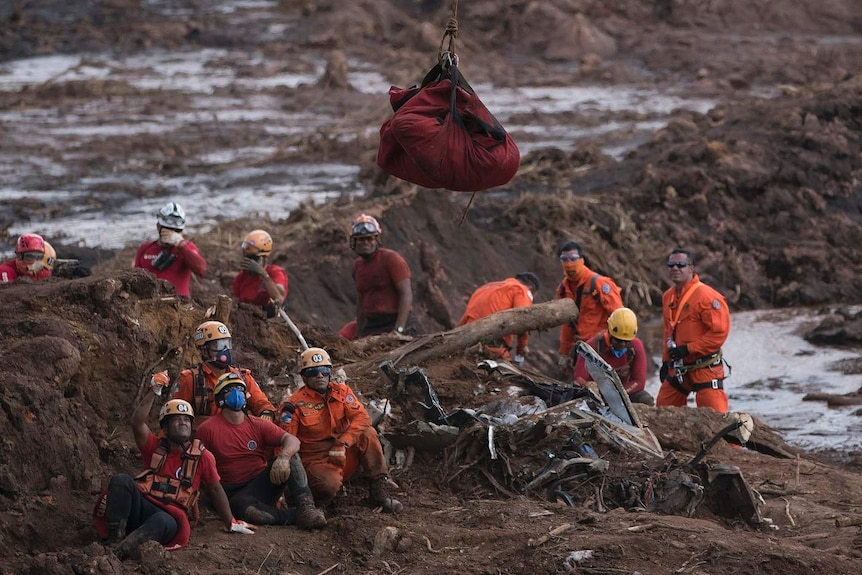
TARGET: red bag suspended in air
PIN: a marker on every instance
(442, 136)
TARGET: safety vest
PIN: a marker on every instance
(170, 489)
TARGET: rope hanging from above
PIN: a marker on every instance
(451, 32)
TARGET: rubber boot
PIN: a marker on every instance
(128, 547)
(116, 533)
(308, 516)
(379, 495)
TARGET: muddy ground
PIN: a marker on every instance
(765, 190)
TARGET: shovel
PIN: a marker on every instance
(293, 328)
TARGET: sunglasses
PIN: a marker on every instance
(315, 371)
(30, 256)
(569, 258)
(679, 265)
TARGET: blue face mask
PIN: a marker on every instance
(618, 352)
(234, 399)
(222, 358)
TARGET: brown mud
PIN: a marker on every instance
(766, 191)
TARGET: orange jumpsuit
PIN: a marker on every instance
(321, 422)
(597, 300)
(499, 296)
(202, 400)
(703, 325)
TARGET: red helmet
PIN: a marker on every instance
(30, 243)
(365, 225)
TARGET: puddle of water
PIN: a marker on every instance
(207, 199)
(774, 367)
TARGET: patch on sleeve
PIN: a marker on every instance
(349, 399)
(606, 289)
(716, 304)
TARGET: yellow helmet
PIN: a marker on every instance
(623, 324)
(257, 243)
(314, 357)
(50, 256)
(176, 407)
(229, 378)
(210, 331)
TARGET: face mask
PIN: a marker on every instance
(573, 269)
(222, 359)
(618, 352)
(235, 399)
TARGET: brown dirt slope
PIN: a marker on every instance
(74, 356)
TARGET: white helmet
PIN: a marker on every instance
(172, 216)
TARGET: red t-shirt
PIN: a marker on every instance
(9, 273)
(173, 465)
(179, 273)
(248, 287)
(631, 367)
(240, 450)
(376, 278)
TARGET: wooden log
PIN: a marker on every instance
(518, 320)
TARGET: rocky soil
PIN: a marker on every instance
(765, 188)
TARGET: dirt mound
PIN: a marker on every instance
(76, 351)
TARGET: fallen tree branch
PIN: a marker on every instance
(514, 321)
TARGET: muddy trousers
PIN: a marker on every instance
(256, 500)
(326, 479)
(126, 503)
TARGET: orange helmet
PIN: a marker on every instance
(50, 257)
(257, 243)
(210, 331)
(176, 407)
(314, 357)
(365, 225)
(30, 243)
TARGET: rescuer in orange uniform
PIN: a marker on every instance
(498, 296)
(696, 325)
(595, 295)
(196, 385)
(335, 433)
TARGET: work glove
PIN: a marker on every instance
(159, 382)
(519, 360)
(237, 526)
(338, 455)
(678, 352)
(663, 371)
(253, 267)
(170, 237)
(280, 471)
